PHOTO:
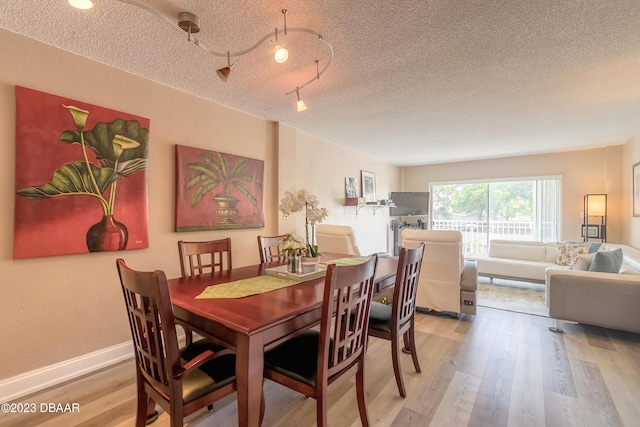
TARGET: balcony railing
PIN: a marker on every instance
(477, 234)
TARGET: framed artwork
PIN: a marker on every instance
(636, 189)
(81, 177)
(217, 191)
(591, 231)
(368, 186)
(351, 187)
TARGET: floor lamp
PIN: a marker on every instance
(595, 206)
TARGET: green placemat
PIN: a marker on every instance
(347, 261)
(246, 287)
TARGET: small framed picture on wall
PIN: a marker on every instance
(351, 187)
(368, 186)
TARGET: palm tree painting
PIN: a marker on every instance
(217, 190)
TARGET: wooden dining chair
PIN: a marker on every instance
(315, 363)
(395, 321)
(204, 257)
(179, 387)
(269, 247)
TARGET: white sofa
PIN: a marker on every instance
(518, 260)
(610, 300)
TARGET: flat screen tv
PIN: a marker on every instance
(410, 203)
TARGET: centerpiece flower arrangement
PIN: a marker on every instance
(292, 245)
(299, 200)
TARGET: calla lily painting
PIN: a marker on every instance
(81, 177)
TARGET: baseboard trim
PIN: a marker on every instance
(39, 379)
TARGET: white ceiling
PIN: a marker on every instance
(412, 82)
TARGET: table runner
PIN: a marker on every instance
(246, 287)
(346, 261)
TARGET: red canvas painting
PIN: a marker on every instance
(216, 191)
(81, 177)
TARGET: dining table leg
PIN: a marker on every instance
(249, 369)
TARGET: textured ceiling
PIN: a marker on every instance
(412, 82)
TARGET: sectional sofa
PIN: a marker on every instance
(518, 260)
(610, 300)
(573, 293)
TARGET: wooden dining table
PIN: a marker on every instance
(253, 324)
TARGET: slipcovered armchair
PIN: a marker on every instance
(448, 282)
(336, 238)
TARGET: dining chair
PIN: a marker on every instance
(269, 247)
(181, 381)
(336, 238)
(203, 257)
(314, 362)
(397, 320)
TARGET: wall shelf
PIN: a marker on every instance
(375, 207)
(353, 201)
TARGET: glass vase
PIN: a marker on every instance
(294, 262)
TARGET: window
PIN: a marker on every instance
(524, 209)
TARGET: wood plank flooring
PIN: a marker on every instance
(497, 368)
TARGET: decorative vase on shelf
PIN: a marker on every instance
(309, 264)
(293, 267)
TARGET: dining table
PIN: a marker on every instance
(256, 323)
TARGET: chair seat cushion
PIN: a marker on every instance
(380, 317)
(210, 376)
(296, 358)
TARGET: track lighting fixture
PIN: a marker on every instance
(81, 4)
(223, 73)
(281, 54)
(189, 23)
(300, 105)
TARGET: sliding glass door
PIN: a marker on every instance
(526, 209)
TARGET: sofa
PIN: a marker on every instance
(518, 260)
(610, 300)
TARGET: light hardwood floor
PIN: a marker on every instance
(497, 368)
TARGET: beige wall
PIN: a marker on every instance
(58, 308)
(582, 172)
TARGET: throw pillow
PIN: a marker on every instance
(582, 262)
(568, 251)
(595, 247)
(607, 261)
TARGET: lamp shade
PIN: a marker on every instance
(595, 204)
(223, 73)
